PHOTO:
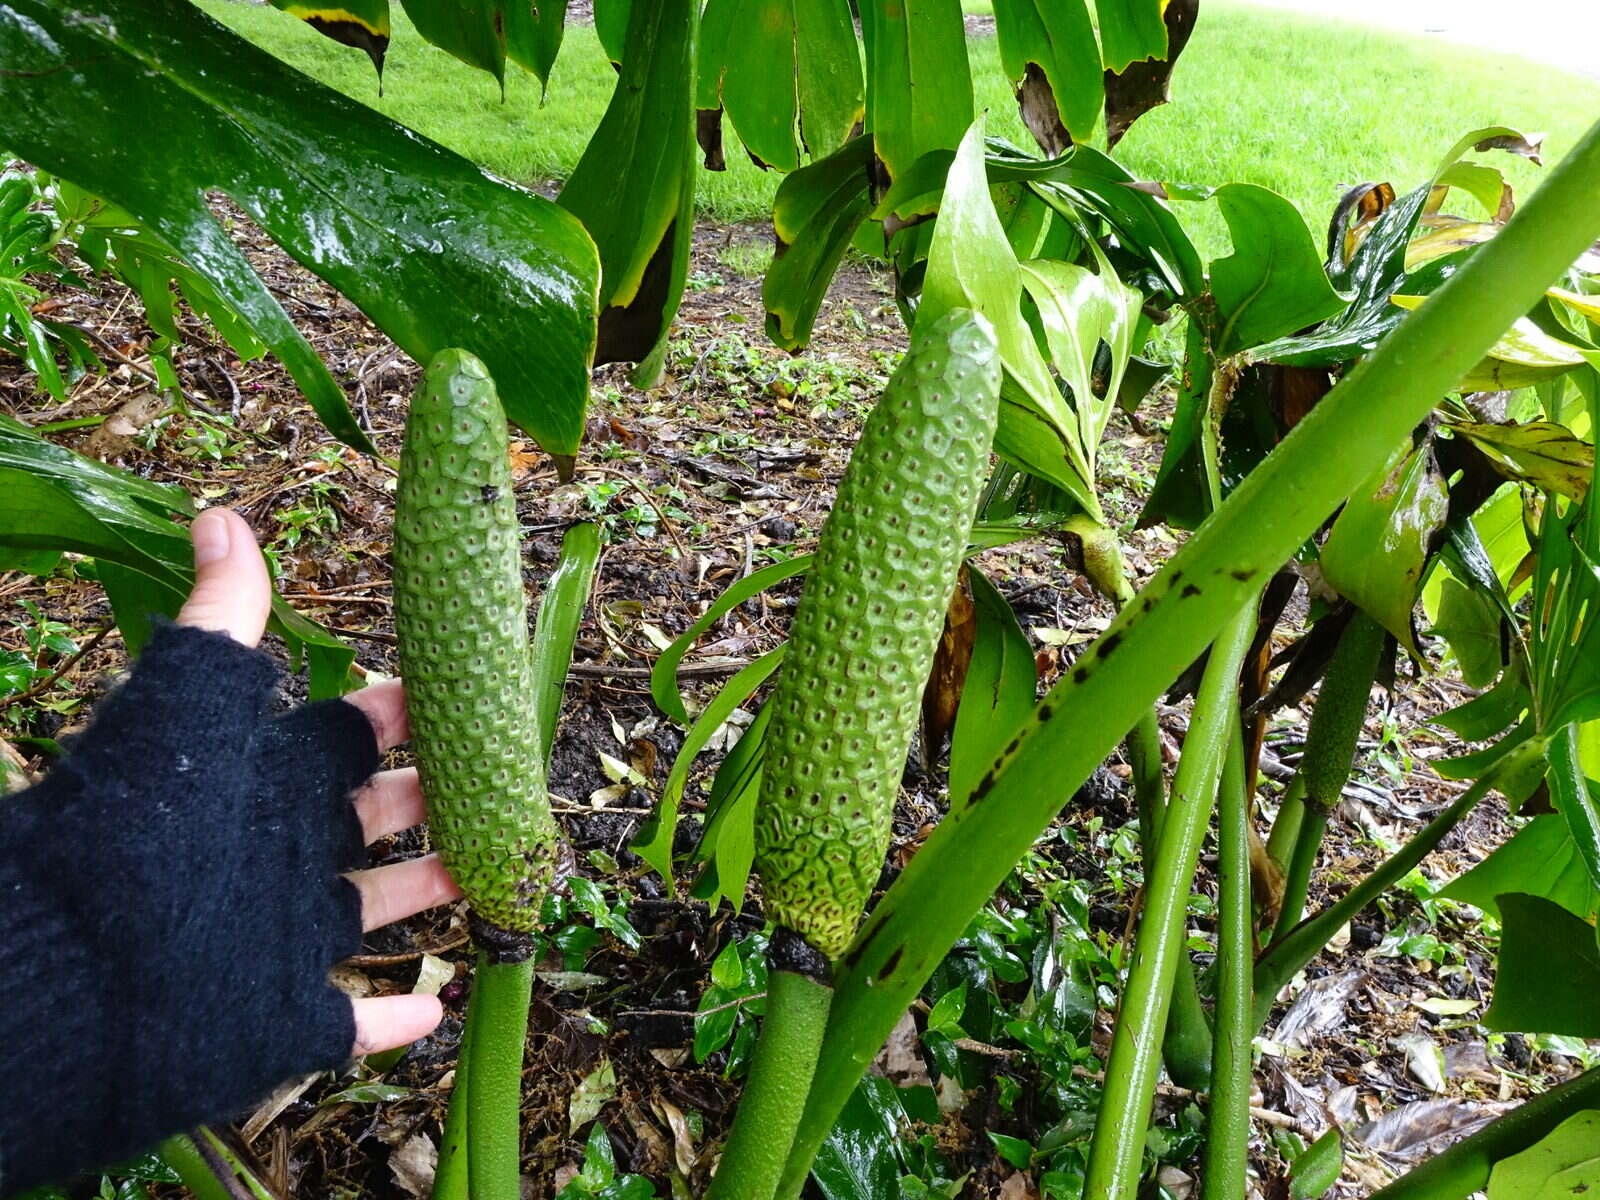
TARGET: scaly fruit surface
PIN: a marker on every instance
(864, 633)
(461, 617)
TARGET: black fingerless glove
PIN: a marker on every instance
(170, 903)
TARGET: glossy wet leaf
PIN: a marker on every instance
(861, 1157)
(1563, 1165)
(1369, 273)
(788, 75)
(1052, 42)
(814, 217)
(1374, 260)
(1543, 453)
(1530, 996)
(1539, 860)
(52, 499)
(633, 189)
(1091, 181)
(151, 112)
(971, 265)
(1379, 544)
(919, 83)
(1001, 683)
(1273, 282)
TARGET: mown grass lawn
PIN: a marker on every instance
(1306, 107)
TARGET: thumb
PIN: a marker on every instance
(232, 593)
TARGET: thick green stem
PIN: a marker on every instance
(1465, 1167)
(1305, 941)
(1114, 1157)
(1186, 1044)
(450, 1179)
(181, 1154)
(1286, 825)
(774, 1098)
(494, 1064)
(1302, 861)
(1228, 1125)
(1330, 752)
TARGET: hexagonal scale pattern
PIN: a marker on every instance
(865, 631)
(461, 617)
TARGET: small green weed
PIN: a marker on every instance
(45, 643)
(725, 1016)
(598, 1180)
(564, 932)
(748, 260)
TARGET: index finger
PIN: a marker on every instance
(385, 706)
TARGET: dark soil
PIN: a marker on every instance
(732, 459)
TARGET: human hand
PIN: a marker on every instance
(233, 595)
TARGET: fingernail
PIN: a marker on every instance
(210, 535)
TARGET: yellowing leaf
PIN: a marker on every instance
(1542, 453)
(1524, 355)
(1589, 306)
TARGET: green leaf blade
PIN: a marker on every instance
(437, 253)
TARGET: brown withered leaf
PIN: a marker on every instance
(949, 674)
(524, 458)
(1529, 147)
(1143, 85)
(1037, 104)
(1353, 217)
(708, 132)
(1297, 391)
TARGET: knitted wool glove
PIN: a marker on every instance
(170, 904)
